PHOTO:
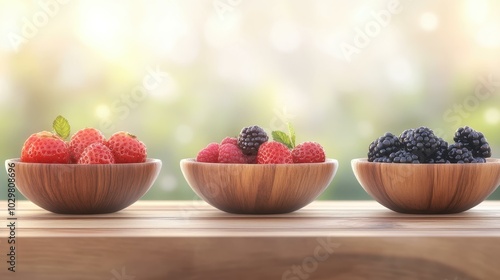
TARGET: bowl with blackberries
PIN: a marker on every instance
(257, 173)
(419, 172)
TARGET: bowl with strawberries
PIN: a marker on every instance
(251, 174)
(85, 174)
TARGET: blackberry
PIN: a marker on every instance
(422, 142)
(479, 160)
(383, 159)
(403, 156)
(474, 141)
(459, 153)
(441, 155)
(251, 138)
(383, 147)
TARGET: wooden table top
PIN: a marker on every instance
(192, 240)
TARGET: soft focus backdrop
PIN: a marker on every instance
(181, 74)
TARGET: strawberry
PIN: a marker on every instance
(230, 153)
(96, 153)
(82, 139)
(25, 157)
(229, 140)
(209, 154)
(126, 148)
(45, 147)
(273, 153)
(308, 152)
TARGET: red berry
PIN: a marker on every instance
(273, 153)
(126, 148)
(25, 157)
(96, 153)
(229, 153)
(45, 147)
(229, 140)
(209, 154)
(82, 139)
(308, 152)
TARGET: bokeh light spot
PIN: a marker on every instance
(429, 21)
(492, 116)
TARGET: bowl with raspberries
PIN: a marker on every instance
(84, 174)
(252, 174)
(419, 172)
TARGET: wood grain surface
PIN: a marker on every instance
(192, 240)
(258, 188)
(85, 189)
(428, 188)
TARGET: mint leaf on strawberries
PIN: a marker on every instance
(61, 127)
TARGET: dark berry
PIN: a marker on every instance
(421, 142)
(441, 155)
(251, 138)
(383, 147)
(383, 159)
(479, 160)
(403, 156)
(474, 141)
(458, 153)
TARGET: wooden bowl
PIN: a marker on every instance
(258, 188)
(84, 189)
(428, 188)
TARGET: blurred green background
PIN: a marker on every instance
(181, 74)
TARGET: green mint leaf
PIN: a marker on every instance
(291, 130)
(280, 136)
(61, 127)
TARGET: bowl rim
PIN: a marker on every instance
(193, 161)
(148, 161)
(365, 161)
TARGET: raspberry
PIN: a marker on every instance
(273, 153)
(308, 152)
(82, 139)
(209, 154)
(45, 147)
(474, 141)
(229, 153)
(229, 140)
(383, 147)
(96, 153)
(127, 148)
(251, 138)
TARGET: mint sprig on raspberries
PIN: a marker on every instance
(284, 138)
